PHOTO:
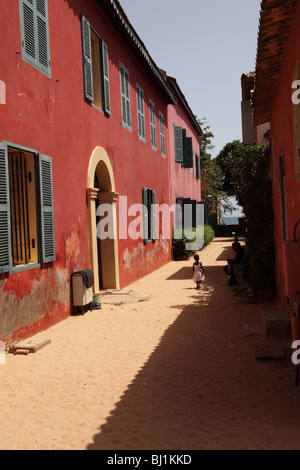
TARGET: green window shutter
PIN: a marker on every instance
(187, 213)
(152, 124)
(179, 212)
(28, 31)
(140, 112)
(153, 217)
(35, 34)
(145, 213)
(106, 78)
(183, 148)
(46, 209)
(162, 134)
(178, 144)
(194, 209)
(87, 59)
(5, 225)
(188, 155)
(127, 94)
(125, 97)
(43, 36)
(197, 167)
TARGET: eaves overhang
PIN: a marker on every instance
(180, 96)
(276, 20)
(123, 25)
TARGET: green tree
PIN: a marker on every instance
(246, 175)
(211, 174)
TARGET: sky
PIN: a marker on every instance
(206, 45)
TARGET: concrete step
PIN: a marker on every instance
(270, 352)
(277, 323)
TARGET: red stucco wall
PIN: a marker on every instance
(183, 180)
(283, 142)
(52, 117)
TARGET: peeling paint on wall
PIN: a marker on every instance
(52, 289)
(145, 257)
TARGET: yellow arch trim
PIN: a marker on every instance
(100, 155)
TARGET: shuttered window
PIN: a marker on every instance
(46, 210)
(197, 158)
(95, 67)
(35, 34)
(162, 134)
(5, 237)
(149, 215)
(152, 124)
(125, 97)
(187, 150)
(26, 209)
(140, 112)
(178, 144)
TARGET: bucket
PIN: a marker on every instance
(96, 304)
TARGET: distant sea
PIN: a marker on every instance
(231, 220)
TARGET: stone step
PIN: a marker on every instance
(270, 352)
(277, 323)
(253, 329)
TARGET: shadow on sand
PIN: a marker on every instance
(182, 398)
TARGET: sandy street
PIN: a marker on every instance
(174, 372)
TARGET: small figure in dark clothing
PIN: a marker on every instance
(236, 264)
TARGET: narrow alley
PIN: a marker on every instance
(173, 372)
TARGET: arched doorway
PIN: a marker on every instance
(101, 190)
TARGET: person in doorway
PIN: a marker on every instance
(198, 272)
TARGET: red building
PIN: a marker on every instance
(84, 127)
(276, 100)
(184, 131)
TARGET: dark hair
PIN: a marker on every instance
(196, 257)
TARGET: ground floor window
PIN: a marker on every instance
(149, 215)
(26, 208)
(22, 207)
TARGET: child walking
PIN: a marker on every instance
(198, 272)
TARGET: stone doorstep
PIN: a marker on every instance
(28, 346)
(270, 352)
(277, 323)
(253, 329)
(124, 297)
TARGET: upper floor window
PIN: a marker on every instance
(183, 148)
(152, 124)
(162, 134)
(125, 97)
(140, 112)
(197, 164)
(95, 67)
(26, 208)
(35, 34)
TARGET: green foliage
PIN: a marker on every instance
(183, 237)
(245, 170)
(209, 234)
(211, 174)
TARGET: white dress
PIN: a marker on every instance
(198, 273)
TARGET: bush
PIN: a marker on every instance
(183, 237)
(209, 234)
